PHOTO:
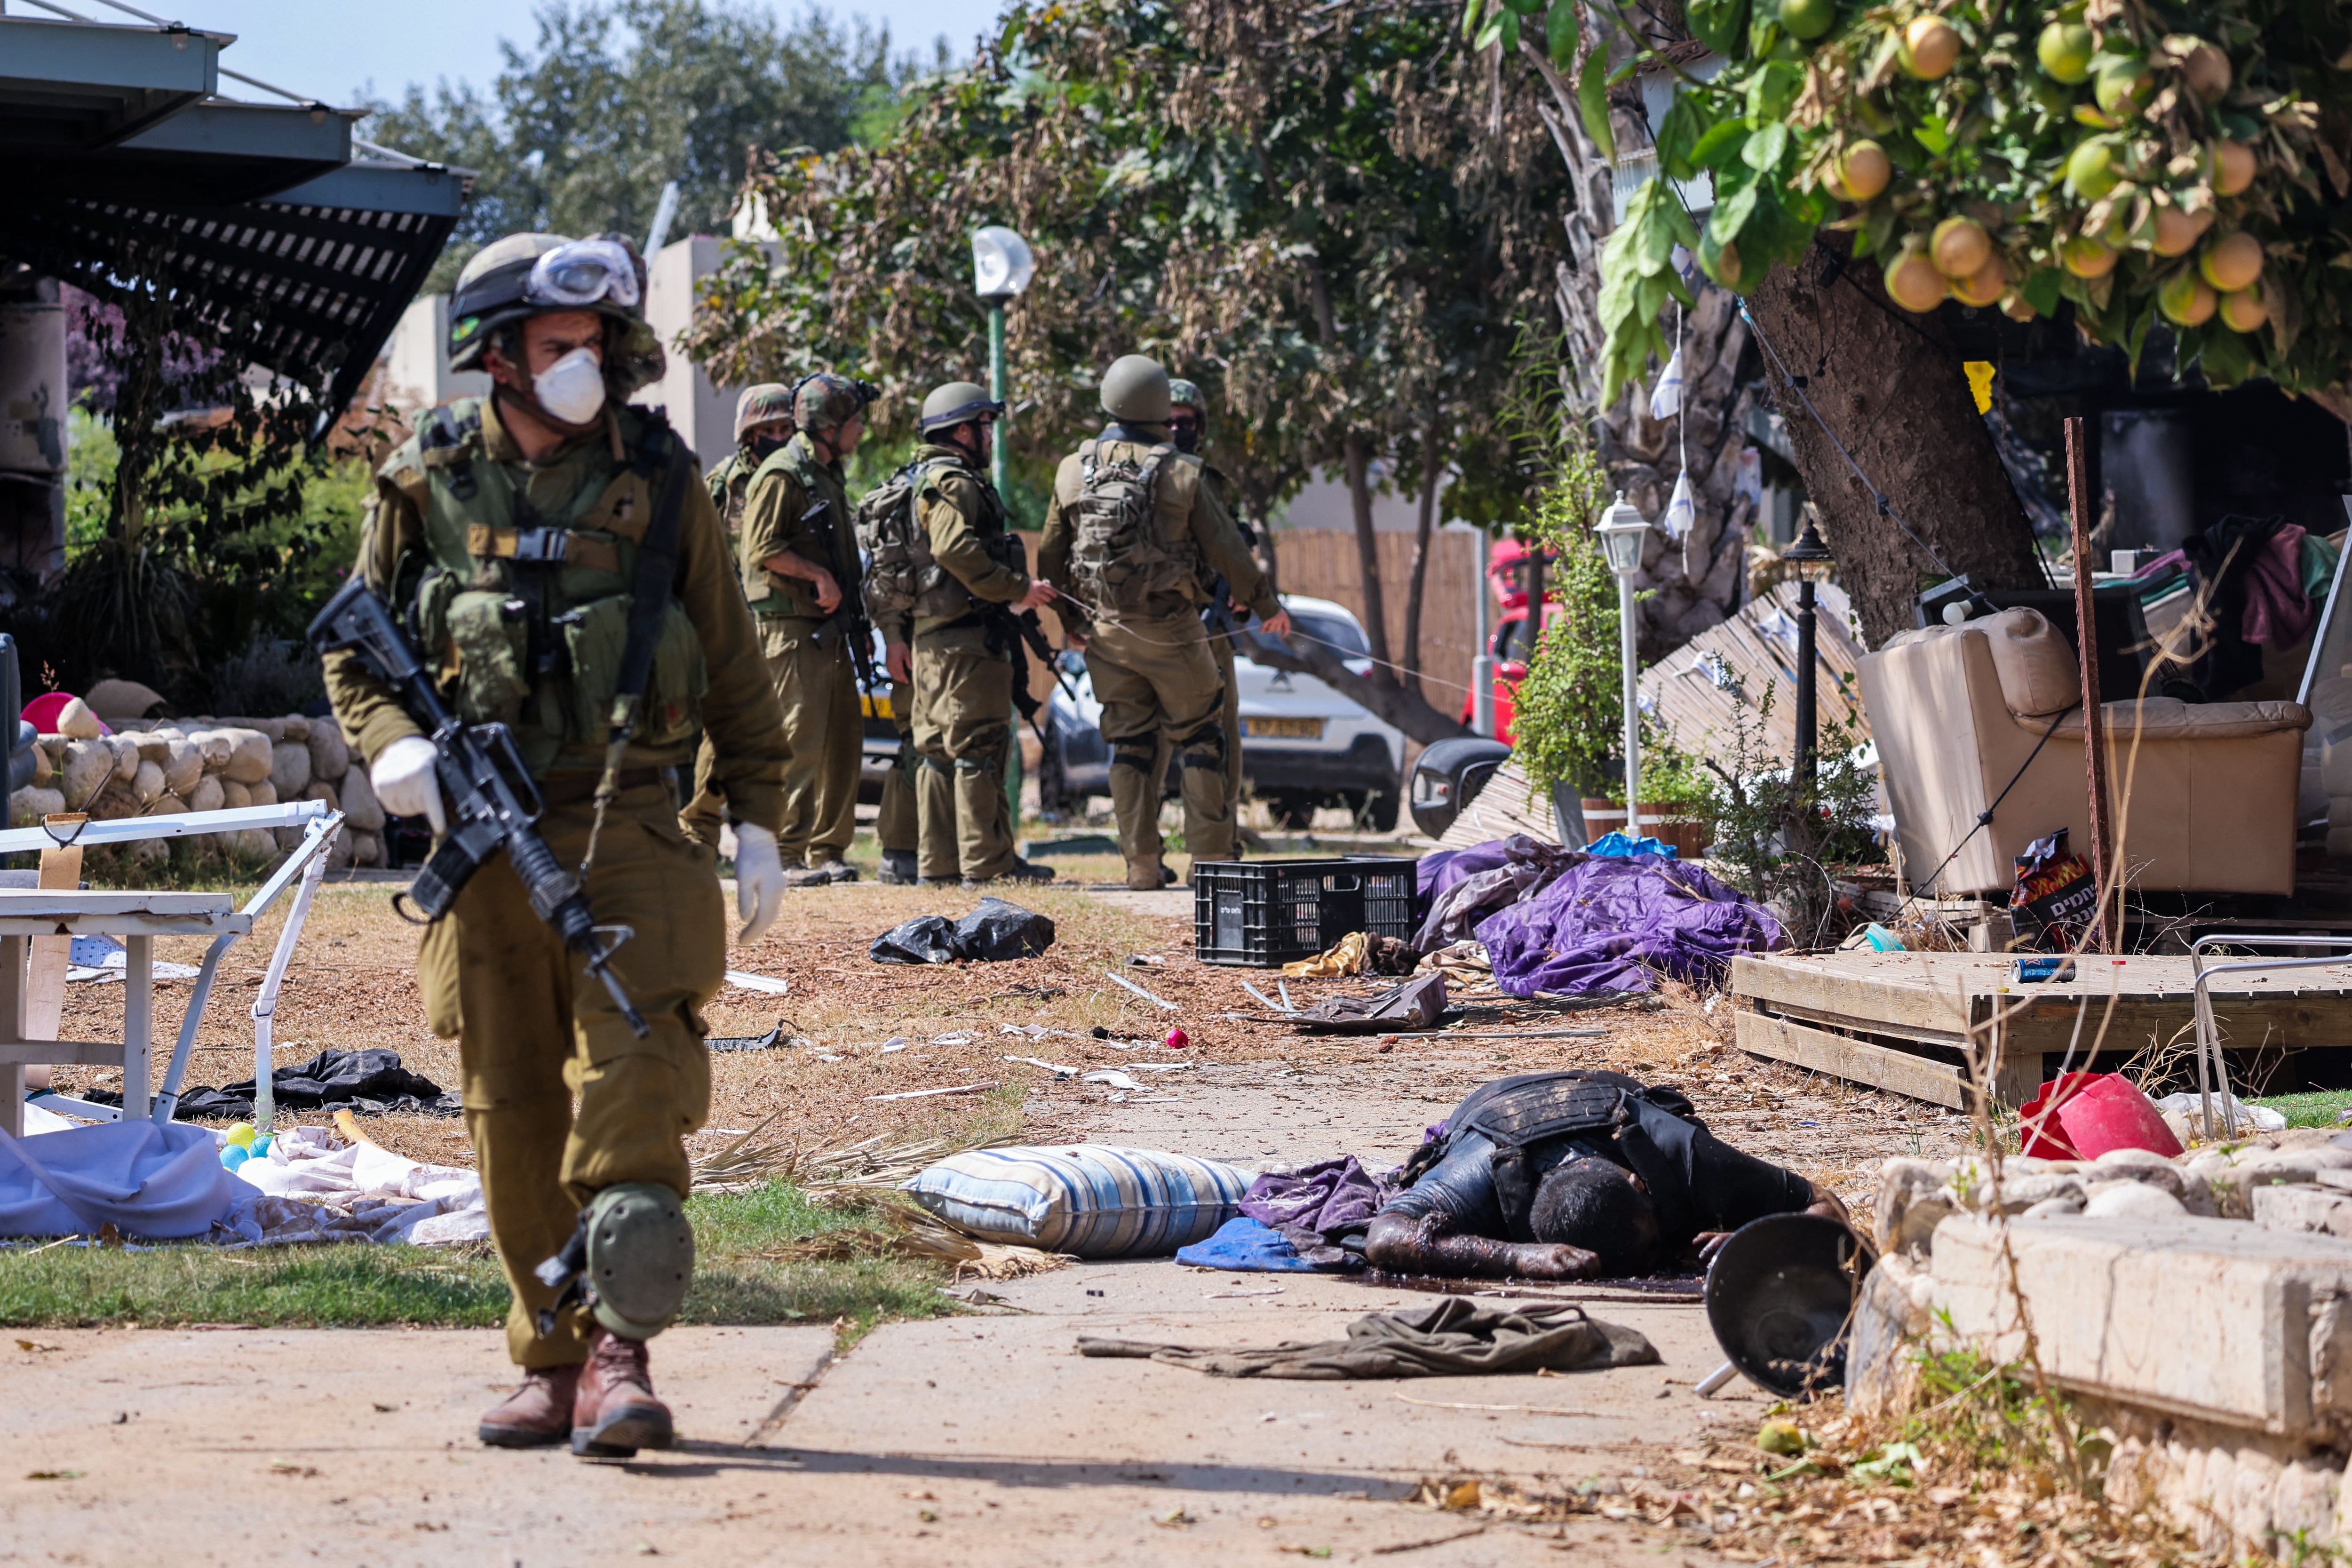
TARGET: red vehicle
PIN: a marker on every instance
(1508, 568)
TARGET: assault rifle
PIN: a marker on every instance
(848, 621)
(1011, 632)
(493, 804)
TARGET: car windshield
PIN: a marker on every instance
(1340, 636)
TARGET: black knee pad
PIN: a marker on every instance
(1139, 753)
(1205, 747)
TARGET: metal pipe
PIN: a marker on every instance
(265, 1006)
(2209, 1040)
(1482, 665)
(996, 380)
(2106, 935)
(1632, 708)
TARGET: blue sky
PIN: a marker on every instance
(336, 48)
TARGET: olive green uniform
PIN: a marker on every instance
(1224, 647)
(808, 655)
(728, 483)
(964, 671)
(534, 1029)
(897, 828)
(1152, 667)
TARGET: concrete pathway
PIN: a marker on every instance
(979, 1440)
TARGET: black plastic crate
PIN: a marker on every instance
(1264, 913)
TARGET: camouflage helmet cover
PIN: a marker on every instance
(766, 404)
(1135, 389)
(1182, 393)
(824, 402)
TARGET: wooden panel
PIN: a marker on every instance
(1505, 806)
(1688, 691)
(1897, 994)
(1890, 1068)
(1322, 563)
(89, 1053)
(1856, 1061)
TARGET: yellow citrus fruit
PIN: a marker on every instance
(2018, 309)
(2233, 167)
(1913, 282)
(2065, 49)
(2244, 311)
(2087, 257)
(2232, 262)
(1984, 287)
(1808, 18)
(2091, 169)
(2187, 299)
(1864, 172)
(1960, 246)
(2207, 69)
(2176, 232)
(1930, 48)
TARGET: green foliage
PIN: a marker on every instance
(579, 132)
(1779, 836)
(2113, 157)
(1569, 711)
(1307, 209)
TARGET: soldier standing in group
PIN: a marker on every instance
(1132, 537)
(1227, 611)
(954, 641)
(509, 528)
(801, 574)
(897, 827)
(763, 421)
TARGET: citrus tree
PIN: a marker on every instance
(2138, 161)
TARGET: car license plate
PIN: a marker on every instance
(1284, 729)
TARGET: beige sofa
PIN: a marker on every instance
(2210, 788)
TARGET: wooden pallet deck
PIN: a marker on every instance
(1905, 1021)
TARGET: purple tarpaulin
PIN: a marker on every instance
(1521, 868)
(1441, 868)
(1606, 923)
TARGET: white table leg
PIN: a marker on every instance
(12, 1030)
(137, 1022)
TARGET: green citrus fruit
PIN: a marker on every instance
(1864, 172)
(2087, 257)
(2065, 51)
(2091, 169)
(2123, 87)
(2187, 299)
(1808, 18)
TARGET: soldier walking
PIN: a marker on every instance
(509, 530)
(1133, 537)
(800, 575)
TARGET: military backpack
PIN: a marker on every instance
(1121, 552)
(901, 577)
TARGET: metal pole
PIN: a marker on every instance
(1808, 720)
(996, 379)
(1482, 665)
(1632, 709)
(2103, 936)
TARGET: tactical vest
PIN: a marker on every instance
(1526, 1117)
(527, 614)
(1126, 549)
(772, 594)
(730, 484)
(902, 577)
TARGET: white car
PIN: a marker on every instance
(1303, 745)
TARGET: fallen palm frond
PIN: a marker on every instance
(907, 1231)
(825, 1173)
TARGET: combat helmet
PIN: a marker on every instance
(769, 403)
(1182, 393)
(526, 275)
(958, 403)
(823, 402)
(1135, 390)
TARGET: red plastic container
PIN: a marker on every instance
(2083, 1115)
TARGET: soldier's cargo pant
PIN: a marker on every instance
(898, 827)
(534, 1029)
(963, 722)
(1156, 677)
(818, 691)
(1216, 840)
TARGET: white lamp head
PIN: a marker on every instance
(1621, 528)
(1002, 264)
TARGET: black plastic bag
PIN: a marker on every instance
(995, 931)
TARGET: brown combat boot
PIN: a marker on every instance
(1146, 876)
(538, 1413)
(615, 1413)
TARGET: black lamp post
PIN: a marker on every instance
(1811, 559)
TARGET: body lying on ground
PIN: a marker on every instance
(1577, 1174)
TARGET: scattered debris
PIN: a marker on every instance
(929, 1093)
(751, 982)
(993, 931)
(1121, 979)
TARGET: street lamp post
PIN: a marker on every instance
(1811, 559)
(1002, 266)
(1621, 530)
(1482, 666)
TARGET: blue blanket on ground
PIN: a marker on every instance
(1246, 1246)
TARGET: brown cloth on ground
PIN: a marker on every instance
(1358, 953)
(1453, 1338)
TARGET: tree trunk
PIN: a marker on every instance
(1368, 558)
(1889, 384)
(1431, 469)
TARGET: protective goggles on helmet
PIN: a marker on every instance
(582, 273)
(979, 409)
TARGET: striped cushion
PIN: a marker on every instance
(1087, 1199)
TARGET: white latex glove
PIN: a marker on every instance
(406, 783)
(759, 882)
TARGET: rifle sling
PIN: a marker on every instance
(649, 589)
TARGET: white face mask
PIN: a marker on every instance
(573, 388)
